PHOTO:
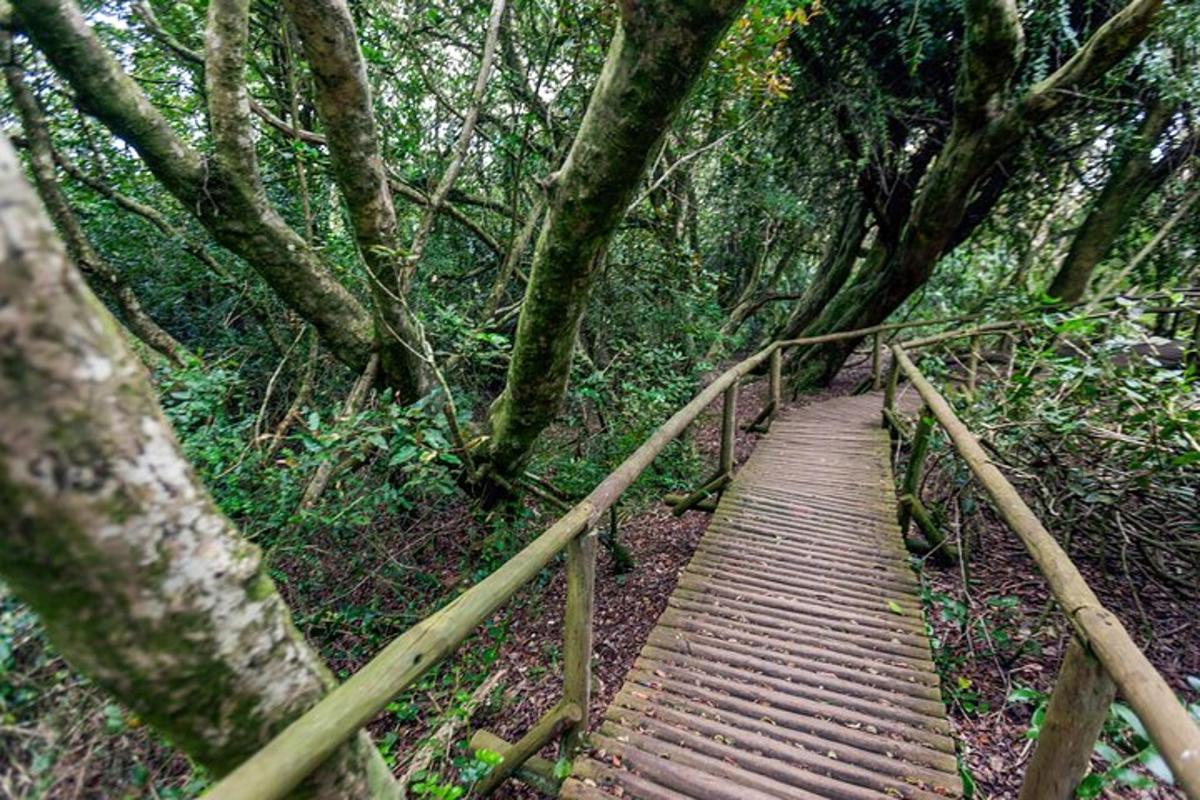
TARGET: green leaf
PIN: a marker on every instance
(1091, 786)
(1186, 459)
(1106, 752)
(1126, 715)
(1024, 694)
(895, 607)
(1129, 777)
(402, 455)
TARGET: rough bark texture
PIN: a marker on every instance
(343, 101)
(984, 131)
(226, 202)
(104, 275)
(1135, 176)
(656, 55)
(140, 580)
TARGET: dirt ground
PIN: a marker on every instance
(1005, 591)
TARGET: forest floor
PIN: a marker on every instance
(82, 746)
(1004, 634)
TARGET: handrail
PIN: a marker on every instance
(1167, 722)
(285, 761)
(308, 741)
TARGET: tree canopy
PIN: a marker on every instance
(364, 261)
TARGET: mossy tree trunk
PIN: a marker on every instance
(964, 181)
(1135, 176)
(139, 579)
(659, 50)
(837, 262)
(224, 192)
(104, 276)
(343, 100)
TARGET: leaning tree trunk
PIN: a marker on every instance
(343, 100)
(834, 270)
(953, 198)
(658, 52)
(223, 191)
(1134, 178)
(139, 579)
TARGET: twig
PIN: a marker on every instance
(448, 730)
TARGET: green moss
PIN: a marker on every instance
(261, 588)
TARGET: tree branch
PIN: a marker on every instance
(143, 10)
(343, 101)
(438, 198)
(235, 215)
(994, 43)
(1115, 39)
(225, 86)
(79, 246)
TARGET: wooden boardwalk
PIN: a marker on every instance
(791, 661)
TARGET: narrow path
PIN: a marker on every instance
(792, 660)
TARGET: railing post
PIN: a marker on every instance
(916, 460)
(1193, 358)
(973, 366)
(728, 429)
(1078, 705)
(776, 381)
(762, 423)
(577, 636)
(889, 395)
(876, 359)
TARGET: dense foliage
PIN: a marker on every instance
(796, 188)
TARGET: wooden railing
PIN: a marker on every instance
(1102, 658)
(283, 763)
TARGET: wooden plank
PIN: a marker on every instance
(792, 659)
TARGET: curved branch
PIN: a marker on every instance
(79, 246)
(225, 204)
(343, 101)
(404, 188)
(1115, 39)
(994, 43)
(438, 198)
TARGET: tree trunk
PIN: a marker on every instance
(104, 275)
(223, 193)
(963, 184)
(748, 297)
(139, 579)
(658, 52)
(1133, 179)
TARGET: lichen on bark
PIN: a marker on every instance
(108, 534)
(659, 50)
